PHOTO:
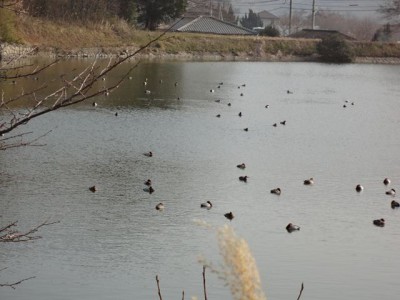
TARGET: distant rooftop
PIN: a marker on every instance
(267, 15)
(206, 24)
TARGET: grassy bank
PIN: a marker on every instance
(118, 34)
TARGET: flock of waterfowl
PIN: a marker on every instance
(277, 191)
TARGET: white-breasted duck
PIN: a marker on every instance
(309, 181)
(359, 188)
(391, 192)
(291, 227)
(160, 206)
(276, 191)
(207, 205)
(394, 204)
(386, 181)
(241, 166)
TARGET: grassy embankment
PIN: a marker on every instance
(117, 35)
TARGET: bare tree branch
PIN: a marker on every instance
(8, 235)
(158, 287)
(12, 285)
(204, 283)
(301, 291)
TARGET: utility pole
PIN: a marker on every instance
(210, 8)
(313, 15)
(290, 17)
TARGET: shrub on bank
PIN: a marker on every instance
(334, 49)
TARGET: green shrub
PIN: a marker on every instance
(334, 49)
(270, 30)
(7, 27)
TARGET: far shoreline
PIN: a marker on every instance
(10, 51)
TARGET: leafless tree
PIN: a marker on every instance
(8, 234)
(81, 87)
(391, 9)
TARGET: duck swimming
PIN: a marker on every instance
(207, 205)
(379, 222)
(359, 187)
(160, 206)
(394, 204)
(93, 189)
(241, 166)
(391, 192)
(243, 178)
(148, 154)
(148, 182)
(386, 181)
(309, 181)
(291, 227)
(229, 216)
(149, 190)
(276, 191)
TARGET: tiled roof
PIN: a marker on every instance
(205, 24)
(267, 15)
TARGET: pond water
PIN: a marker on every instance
(111, 244)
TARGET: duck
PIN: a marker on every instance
(291, 227)
(148, 154)
(359, 187)
(147, 92)
(94, 104)
(212, 91)
(394, 204)
(207, 205)
(93, 189)
(240, 114)
(289, 92)
(283, 122)
(243, 178)
(218, 101)
(229, 104)
(241, 166)
(309, 181)
(274, 124)
(246, 129)
(149, 190)
(276, 191)
(218, 116)
(241, 94)
(229, 216)
(160, 206)
(391, 192)
(266, 106)
(148, 182)
(386, 181)
(379, 222)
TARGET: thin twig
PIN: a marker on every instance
(158, 287)
(301, 291)
(12, 285)
(204, 282)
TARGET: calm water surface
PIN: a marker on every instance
(111, 244)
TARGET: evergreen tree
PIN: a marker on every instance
(251, 20)
(152, 12)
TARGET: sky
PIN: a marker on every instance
(357, 8)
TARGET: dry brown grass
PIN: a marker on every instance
(238, 268)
